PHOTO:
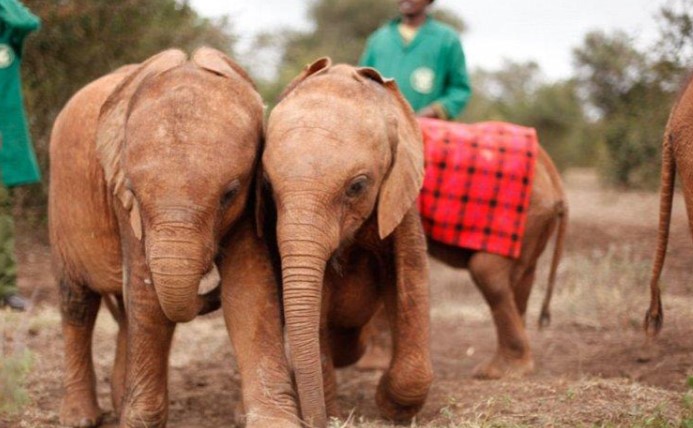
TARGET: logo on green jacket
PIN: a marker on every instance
(6, 55)
(422, 80)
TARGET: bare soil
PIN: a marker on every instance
(588, 361)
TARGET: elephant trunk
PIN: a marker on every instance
(305, 249)
(177, 266)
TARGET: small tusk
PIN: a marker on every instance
(210, 281)
(148, 281)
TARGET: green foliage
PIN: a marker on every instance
(627, 92)
(13, 370)
(340, 29)
(674, 50)
(81, 40)
(517, 93)
(687, 421)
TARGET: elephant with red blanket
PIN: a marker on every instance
(490, 201)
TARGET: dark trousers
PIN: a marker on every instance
(8, 265)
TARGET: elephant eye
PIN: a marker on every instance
(230, 194)
(357, 186)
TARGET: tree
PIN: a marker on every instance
(630, 96)
(80, 40)
(674, 49)
(518, 93)
(340, 29)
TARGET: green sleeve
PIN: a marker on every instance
(458, 90)
(16, 18)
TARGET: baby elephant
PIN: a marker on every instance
(150, 174)
(343, 165)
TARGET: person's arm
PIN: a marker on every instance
(457, 89)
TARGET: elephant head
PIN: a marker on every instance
(178, 141)
(343, 149)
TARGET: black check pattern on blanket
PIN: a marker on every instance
(478, 183)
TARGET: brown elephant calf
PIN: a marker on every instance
(506, 282)
(343, 164)
(150, 174)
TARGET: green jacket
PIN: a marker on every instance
(431, 69)
(17, 159)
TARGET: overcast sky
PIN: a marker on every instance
(545, 31)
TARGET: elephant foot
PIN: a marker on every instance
(266, 422)
(394, 409)
(252, 420)
(80, 411)
(270, 420)
(501, 367)
(133, 418)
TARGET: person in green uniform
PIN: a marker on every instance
(426, 59)
(18, 164)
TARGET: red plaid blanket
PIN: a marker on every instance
(478, 183)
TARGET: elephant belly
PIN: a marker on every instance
(354, 293)
(84, 233)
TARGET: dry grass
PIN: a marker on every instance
(15, 363)
(587, 370)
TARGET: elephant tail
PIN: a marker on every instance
(562, 215)
(116, 307)
(654, 317)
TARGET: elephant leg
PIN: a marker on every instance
(404, 386)
(118, 372)
(79, 307)
(251, 307)
(376, 341)
(522, 289)
(347, 345)
(148, 344)
(491, 273)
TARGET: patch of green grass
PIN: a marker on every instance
(13, 371)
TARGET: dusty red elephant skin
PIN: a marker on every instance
(503, 268)
(140, 203)
(343, 163)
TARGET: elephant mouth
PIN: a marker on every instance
(210, 281)
(210, 291)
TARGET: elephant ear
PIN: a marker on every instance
(319, 66)
(110, 133)
(217, 62)
(404, 180)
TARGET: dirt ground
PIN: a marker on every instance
(587, 373)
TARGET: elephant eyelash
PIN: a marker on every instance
(357, 186)
(230, 194)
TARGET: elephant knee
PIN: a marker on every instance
(78, 304)
(493, 283)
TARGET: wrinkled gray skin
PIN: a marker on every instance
(343, 164)
(151, 167)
